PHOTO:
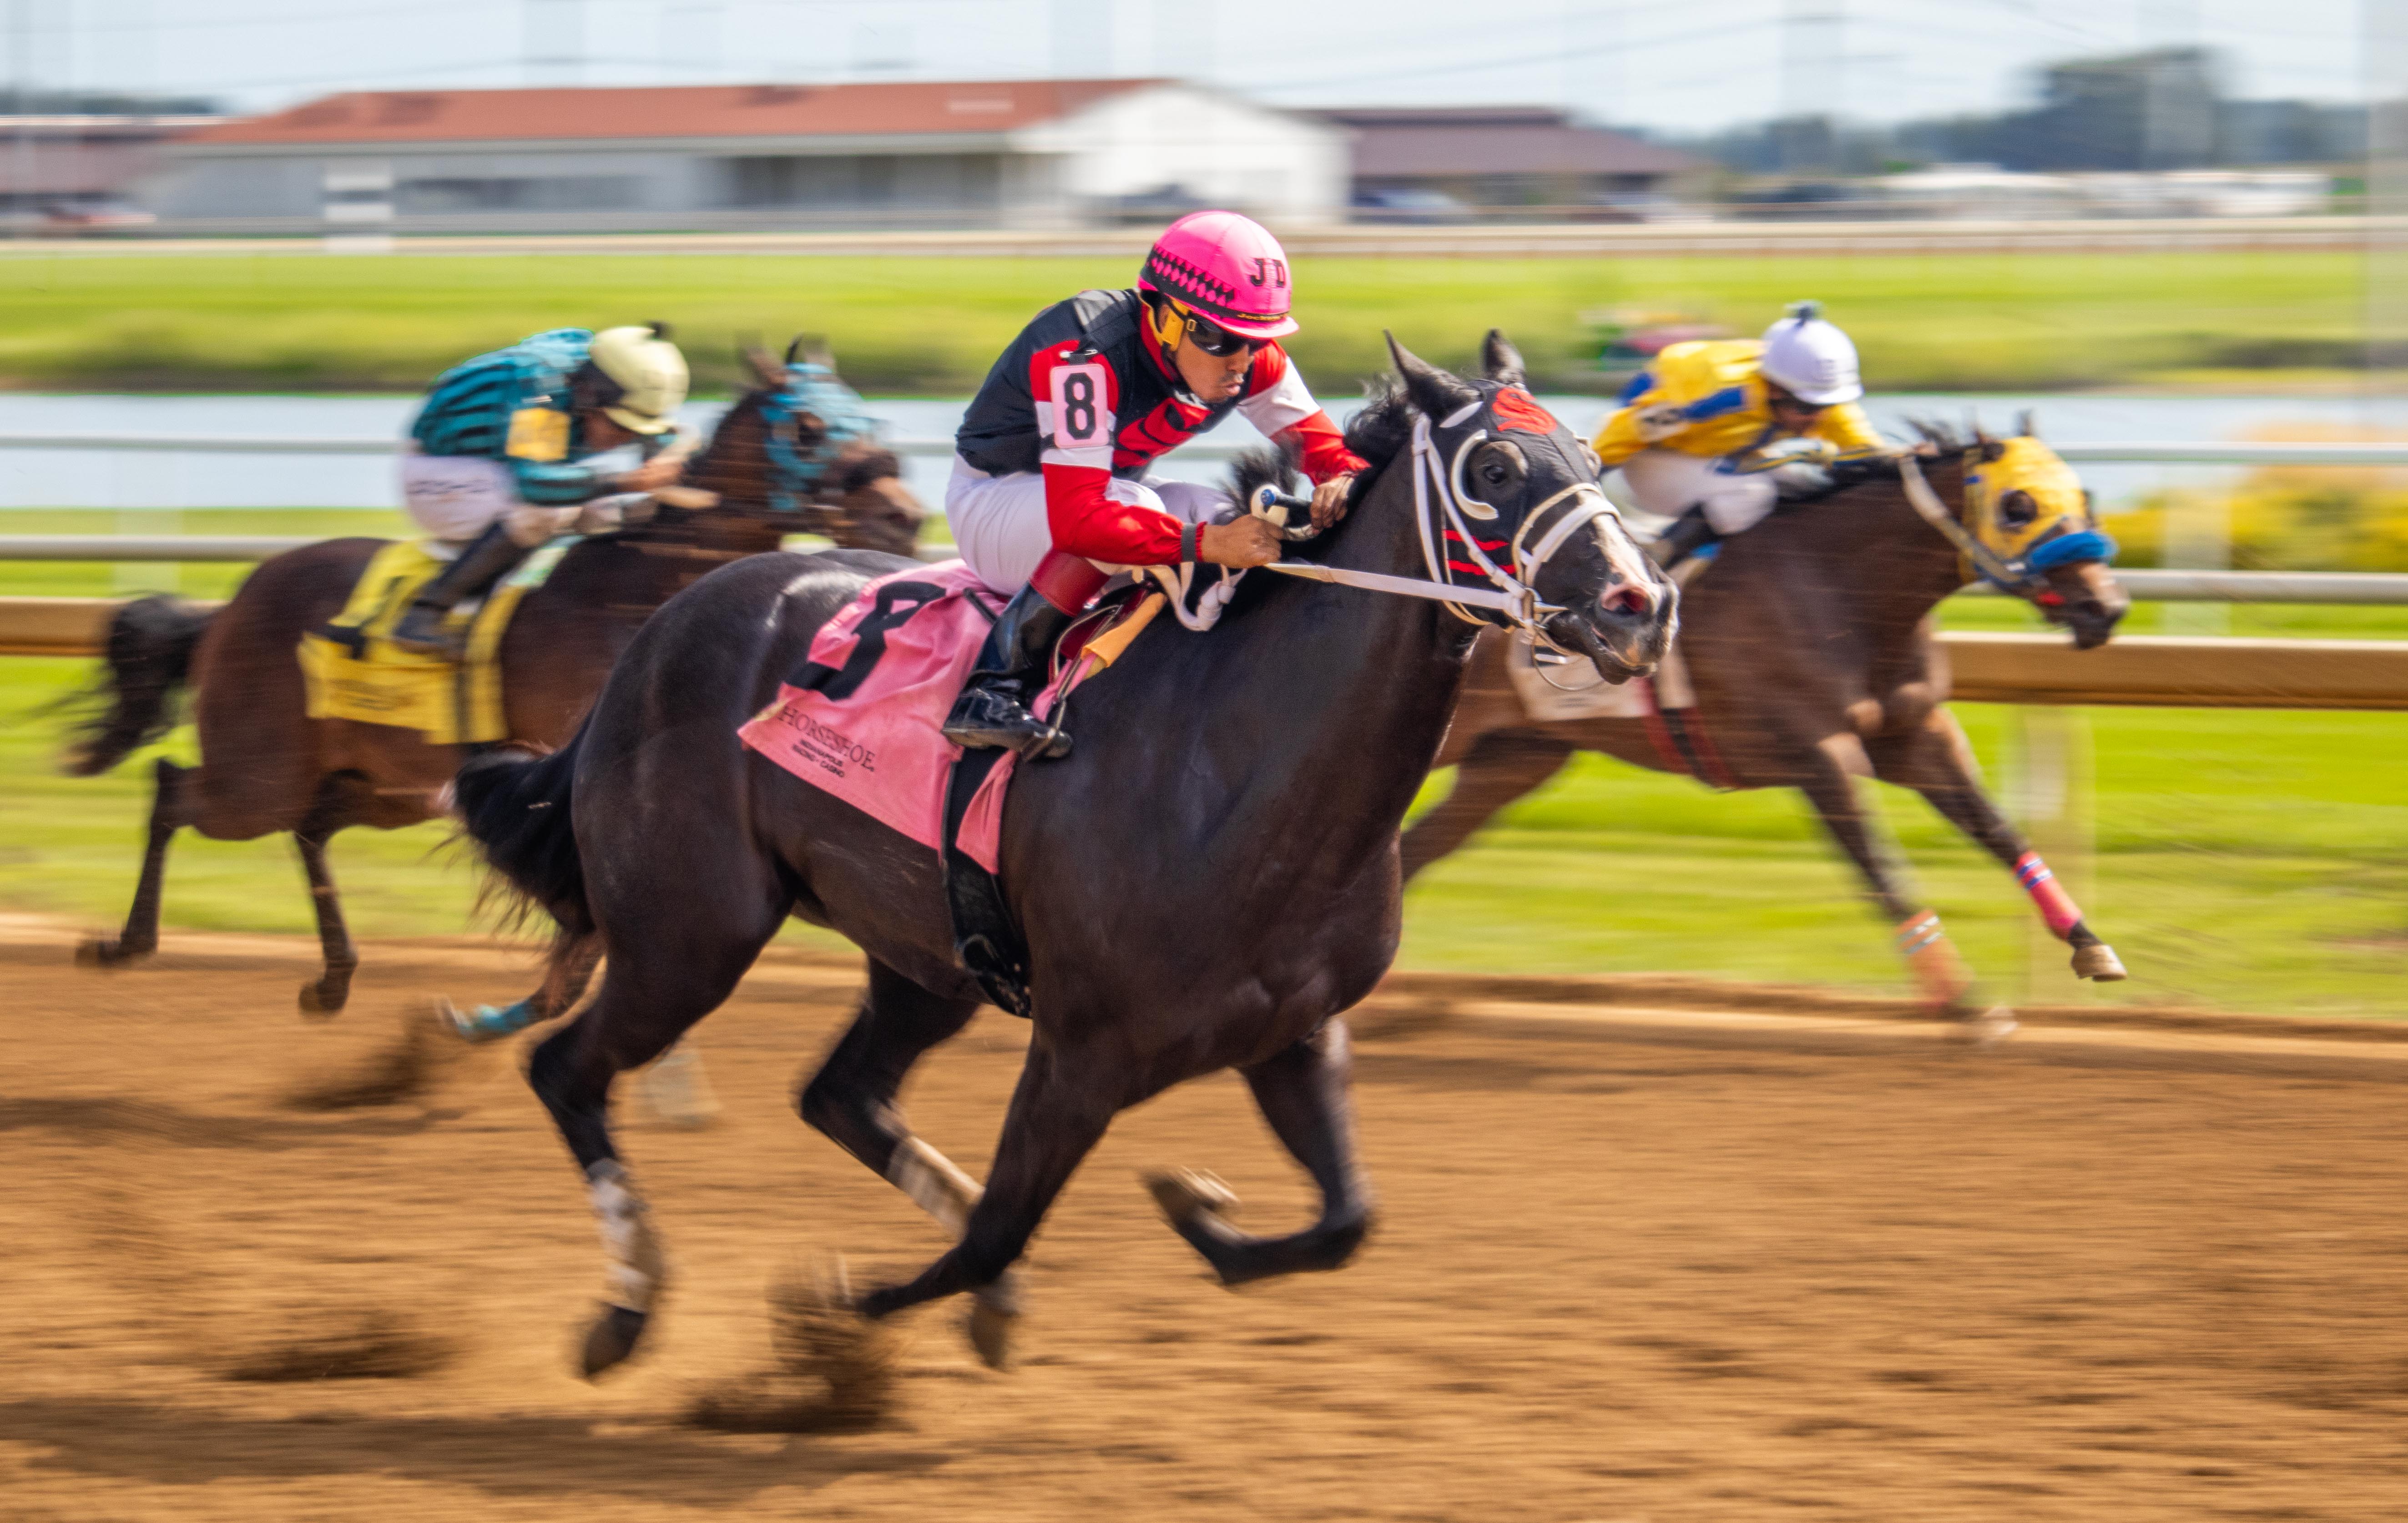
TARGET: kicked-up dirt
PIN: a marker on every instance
(1635, 1267)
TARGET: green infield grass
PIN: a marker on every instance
(2247, 861)
(1925, 321)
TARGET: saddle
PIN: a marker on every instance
(353, 672)
(863, 718)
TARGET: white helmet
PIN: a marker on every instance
(650, 372)
(1811, 358)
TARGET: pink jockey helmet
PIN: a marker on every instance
(1228, 267)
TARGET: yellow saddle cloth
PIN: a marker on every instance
(354, 672)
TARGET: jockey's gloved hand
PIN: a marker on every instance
(1243, 542)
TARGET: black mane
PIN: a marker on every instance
(1385, 424)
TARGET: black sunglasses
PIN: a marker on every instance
(1214, 340)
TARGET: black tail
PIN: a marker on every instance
(515, 807)
(150, 643)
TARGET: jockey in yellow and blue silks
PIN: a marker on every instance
(501, 449)
(1702, 411)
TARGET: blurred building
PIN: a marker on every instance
(72, 171)
(1429, 162)
(1010, 154)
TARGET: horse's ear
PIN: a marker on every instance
(812, 349)
(2024, 427)
(1433, 392)
(1500, 361)
(764, 366)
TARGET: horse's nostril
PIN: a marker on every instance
(1624, 598)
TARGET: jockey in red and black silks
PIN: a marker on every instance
(1052, 488)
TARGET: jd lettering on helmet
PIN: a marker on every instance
(1270, 272)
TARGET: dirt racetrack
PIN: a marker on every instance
(1646, 1267)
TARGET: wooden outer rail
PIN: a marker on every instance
(2180, 672)
(2148, 670)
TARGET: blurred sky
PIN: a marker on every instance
(1674, 65)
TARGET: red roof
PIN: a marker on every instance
(766, 111)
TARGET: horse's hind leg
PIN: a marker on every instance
(565, 981)
(852, 1100)
(1937, 762)
(1499, 769)
(1303, 1093)
(140, 937)
(682, 966)
(331, 989)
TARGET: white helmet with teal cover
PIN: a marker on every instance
(1812, 359)
(649, 371)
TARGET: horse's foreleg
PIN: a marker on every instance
(1499, 769)
(851, 1100)
(332, 989)
(1831, 787)
(140, 937)
(1059, 1112)
(1937, 762)
(1303, 1095)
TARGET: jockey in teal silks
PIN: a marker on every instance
(499, 454)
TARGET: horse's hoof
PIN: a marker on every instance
(101, 952)
(2098, 961)
(1182, 1193)
(320, 999)
(611, 1339)
(990, 1329)
(1987, 1029)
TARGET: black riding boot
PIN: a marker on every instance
(1689, 533)
(993, 709)
(488, 558)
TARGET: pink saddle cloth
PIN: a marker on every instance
(864, 720)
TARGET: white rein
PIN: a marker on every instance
(1510, 593)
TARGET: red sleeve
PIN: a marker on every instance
(1278, 402)
(1075, 396)
(1321, 445)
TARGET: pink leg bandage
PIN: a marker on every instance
(1933, 959)
(2056, 906)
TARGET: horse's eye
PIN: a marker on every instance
(2017, 509)
(1493, 473)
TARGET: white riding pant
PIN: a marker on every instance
(454, 498)
(1667, 483)
(1000, 526)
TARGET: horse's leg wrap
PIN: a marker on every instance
(2056, 906)
(637, 1269)
(938, 1186)
(1939, 972)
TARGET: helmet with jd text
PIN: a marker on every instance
(1225, 266)
(649, 371)
(1811, 358)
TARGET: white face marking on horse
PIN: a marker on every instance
(1632, 569)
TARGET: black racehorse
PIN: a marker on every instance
(1207, 882)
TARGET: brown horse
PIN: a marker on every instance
(268, 767)
(1808, 640)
